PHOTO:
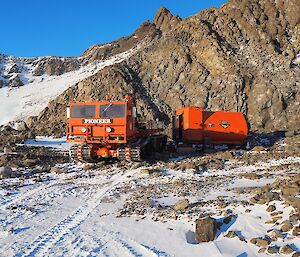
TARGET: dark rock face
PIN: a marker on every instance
(15, 82)
(14, 69)
(206, 229)
(234, 58)
(55, 66)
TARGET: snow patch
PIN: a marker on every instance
(29, 100)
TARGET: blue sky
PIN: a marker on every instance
(68, 27)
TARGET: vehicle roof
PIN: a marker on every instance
(97, 103)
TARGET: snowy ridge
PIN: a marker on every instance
(19, 103)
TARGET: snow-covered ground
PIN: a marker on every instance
(76, 213)
(30, 99)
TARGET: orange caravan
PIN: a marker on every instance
(110, 129)
(193, 125)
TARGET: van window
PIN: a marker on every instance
(83, 111)
(112, 110)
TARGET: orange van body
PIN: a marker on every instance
(193, 125)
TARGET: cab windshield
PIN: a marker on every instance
(112, 110)
(83, 111)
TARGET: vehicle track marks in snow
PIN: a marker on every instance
(45, 241)
(20, 197)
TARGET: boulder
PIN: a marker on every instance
(30, 162)
(296, 232)
(251, 176)
(286, 249)
(293, 201)
(292, 189)
(274, 249)
(262, 242)
(147, 171)
(6, 172)
(287, 226)
(20, 126)
(206, 229)
(181, 205)
(275, 234)
(271, 208)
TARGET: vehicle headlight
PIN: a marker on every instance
(108, 129)
(83, 130)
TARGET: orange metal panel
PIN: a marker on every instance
(218, 127)
(226, 127)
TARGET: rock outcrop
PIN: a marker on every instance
(55, 66)
(165, 20)
(15, 82)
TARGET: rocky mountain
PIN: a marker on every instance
(243, 56)
(143, 36)
(16, 71)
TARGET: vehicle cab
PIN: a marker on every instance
(111, 122)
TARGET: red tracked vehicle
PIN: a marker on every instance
(110, 129)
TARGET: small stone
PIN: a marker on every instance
(30, 162)
(57, 170)
(38, 179)
(286, 249)
(269, 222)
(181, 205)
(251, 176)
(258, 148)
(294, 218)
(274, 219)
(294, 201)
(262, 242)
(271, 208)
(88, 166)
(287, 226)
(273, 249)
(253, 240)
(7, 149)
(231, 234)
(172, 165)
(275, 234)
(296, 254)
(296, 232)
(147, 171)
(262, 250)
